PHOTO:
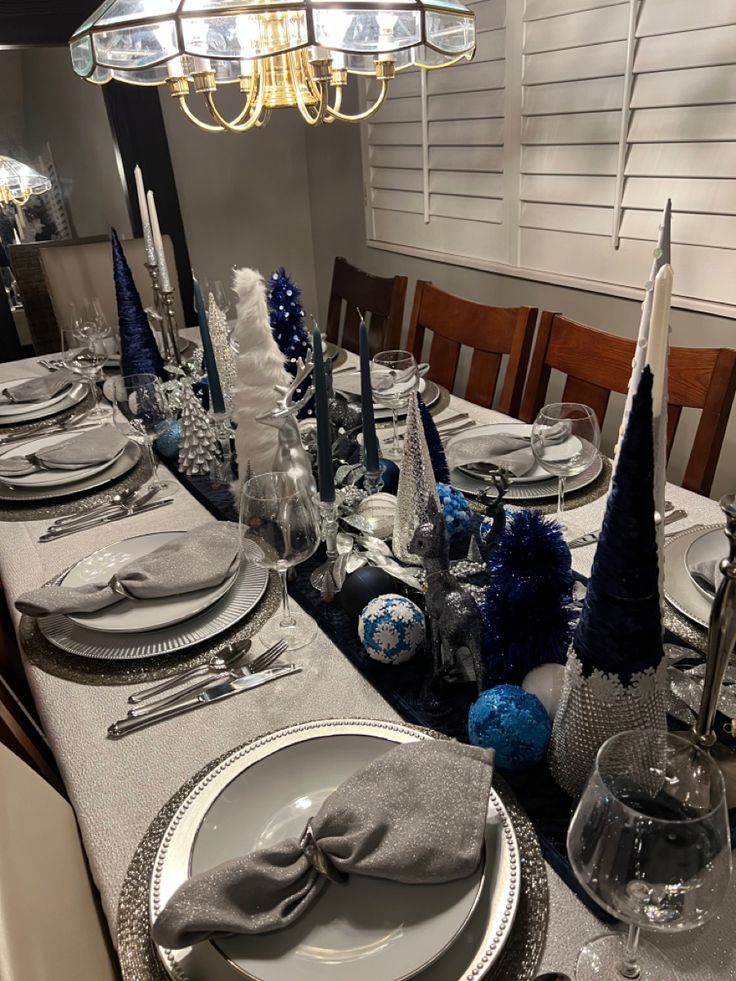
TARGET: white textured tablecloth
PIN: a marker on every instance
(117, 787)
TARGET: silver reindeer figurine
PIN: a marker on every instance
(456, 625)
(291, 457)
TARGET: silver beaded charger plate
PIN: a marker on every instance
(44, 410)
(529, 492)
(379, 940)
(249, 586)
(118, 468)
(679, 588)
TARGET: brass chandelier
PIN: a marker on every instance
(295, 53)
(18, 182)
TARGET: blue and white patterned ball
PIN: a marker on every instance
(391, 628)
(514, 723)
(456, 509)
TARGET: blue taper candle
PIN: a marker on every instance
(324, 429)
(370, 443)
(217, 402)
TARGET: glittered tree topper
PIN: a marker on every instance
(139, 353)
(620, 628)
(287, 325)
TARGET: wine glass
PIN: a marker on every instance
(142, 413)
(394, 378)
(85, 349)
(649, 842)
(565, 440)
(280, 517)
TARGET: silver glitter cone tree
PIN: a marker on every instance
(417, 488)
(615, 675)
(198, 442)
(224, 354)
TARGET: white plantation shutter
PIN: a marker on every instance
(552, 154)
(434, 154)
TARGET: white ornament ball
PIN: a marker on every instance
(391, 628)
(545, 682)
(380, 511)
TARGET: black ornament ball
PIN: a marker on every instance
(363, 585)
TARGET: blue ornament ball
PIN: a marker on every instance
(168, 443)
(390, 474)
(391, 629)
(456, 510)
(514, 723)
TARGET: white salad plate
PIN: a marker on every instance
(364, 930)
(679, 588)
(246, 591)
(137, 616)
(31, 411)
(50, 478)
(709, 546)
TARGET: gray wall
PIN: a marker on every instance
(69, 115)
(338, 227)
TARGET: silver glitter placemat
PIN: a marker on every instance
(519, 960)
(690, 633)
(94, 671)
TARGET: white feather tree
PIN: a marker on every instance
(259, 366)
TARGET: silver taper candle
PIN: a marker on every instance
(721, 633)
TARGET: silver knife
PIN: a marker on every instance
(214, 693)
(104, 520)
(593, 536)
(129, 500)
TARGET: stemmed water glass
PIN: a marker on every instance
(649, 842)
(565, 440)
(85, 348)
(142, 412)
(280, 517)
(394, 378)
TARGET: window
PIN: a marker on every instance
(551, 154)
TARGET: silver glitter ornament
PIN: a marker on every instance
(224, 354)
(417, 496)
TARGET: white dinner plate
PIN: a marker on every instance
(365, 930)
(249, 586)
(709, 546)
(50, 478)
(137, 616)
(21, 408)
(679, 588)
(30, 412)
(538, 473)
(348, 383)
(528, 492)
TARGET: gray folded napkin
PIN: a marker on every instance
(708, 574)
(99, 445)
(504, 451)
(205, 557)
(417, 814)
(39, 389)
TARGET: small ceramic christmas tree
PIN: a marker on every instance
(287, 324)
(198, 443)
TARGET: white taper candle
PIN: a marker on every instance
(145, 220)
(163, 269)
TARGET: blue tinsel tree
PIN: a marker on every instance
(527, 613)
(434, 444)
(287, 326)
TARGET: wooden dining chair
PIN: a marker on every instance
(380, 300)
(51, 928)
(492, 332)
(597, 364)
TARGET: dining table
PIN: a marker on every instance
(117, 787)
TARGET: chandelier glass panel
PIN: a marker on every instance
(18, 182)
(291, 53)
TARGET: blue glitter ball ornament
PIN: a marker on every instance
(390, 475)
(168, 443)
(391, 629)
(456, 509)
(514, 723)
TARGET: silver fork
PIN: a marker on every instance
(228, 655)
(259, 663)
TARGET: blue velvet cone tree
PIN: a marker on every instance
(620, 628)
(139, 353)
(434, 444)
(287, 326)
(526, 610)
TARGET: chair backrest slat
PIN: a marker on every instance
(379, 299)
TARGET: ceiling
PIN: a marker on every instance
(31, 22)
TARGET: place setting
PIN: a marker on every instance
(692, 575)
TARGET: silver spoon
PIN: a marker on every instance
(232, 654)
(115, 501)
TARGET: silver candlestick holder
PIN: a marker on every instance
(169, 324)
(327, 578)
(721, 634)
(158, 311)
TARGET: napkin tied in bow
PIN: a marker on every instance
(417, 814)
(203, 558)
(504, 451)
(100, 445)
(39, 389)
